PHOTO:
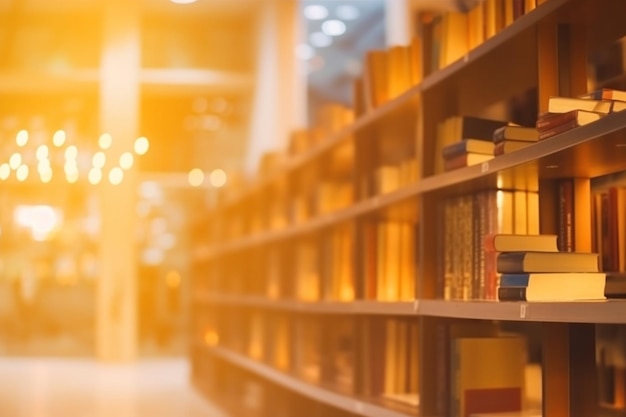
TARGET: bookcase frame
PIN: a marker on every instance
(557, 30)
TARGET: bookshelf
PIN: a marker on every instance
(350, 350)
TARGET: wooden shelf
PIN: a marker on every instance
(601, 311)
(343, 402)
(609, 311)
(396, 308)
(565, 155)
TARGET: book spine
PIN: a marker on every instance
(548, 121)
(564, 127)
(566, 216)
(510, 262)
(512, 293)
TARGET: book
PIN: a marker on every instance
(468, 146)
(558, 104)
(547, 121)
(520, 243)
(509, 146)
(465, 160)
(556, 287)
(606, 94)
(615, 285)
(487, 374)
(517, 262)
(519, 133)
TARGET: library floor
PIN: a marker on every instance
(31, 387)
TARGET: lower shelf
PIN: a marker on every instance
(343, 402)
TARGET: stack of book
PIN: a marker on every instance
(466, 140)
(507, 139)
(532, 269)
(566, 113)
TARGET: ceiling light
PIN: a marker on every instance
(347, 12)
(334, 27)
(116, 175)
(320, 40)
(105, 141)
(315, 12)
(142, 144)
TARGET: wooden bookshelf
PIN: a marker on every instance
(328, 290)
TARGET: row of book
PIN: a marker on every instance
(450, 35)
(566, 113)
(387, 73)
(467, 220)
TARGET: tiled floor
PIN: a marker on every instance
(85, 388)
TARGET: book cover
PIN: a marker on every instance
(521, 243)
(566, 286)
(487, 374)
(509, 146)
(468, 146)
(606, 94)
(517, 262)
(549, 121)
(517, 133)
(558, 104)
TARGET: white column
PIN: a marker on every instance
(398, 26)
(116, 321)
(279, 104)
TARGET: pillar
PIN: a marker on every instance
(116, 322)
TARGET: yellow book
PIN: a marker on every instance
(532, 212)
(509, 14)
(487, 374)
(520, 224)
(491, 20)
(375, 78)
(454, 44)
(415, 58)
(398, 70)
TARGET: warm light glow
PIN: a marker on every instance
(99, 159)
(22, 173)
(116, 175)
(167, 241)
(183, 1)
(95, 176)
(58, 139)
(42, 152)
(5, 171)
(334, 27)
(211, 338)
(196, 177)
(41, 220)
(71, 152)
(105, 141)
(218, 178)
(315, 12)
(320, 40)
(22, 138)
(15, 160)
(173, 279)
(142, 145)
(71, 173)
(43, 165)
(45, 175)
(127, 160)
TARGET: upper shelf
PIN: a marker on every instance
(574, 153)
(408, 100)
(608, 311)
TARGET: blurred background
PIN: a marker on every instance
(119, 122)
